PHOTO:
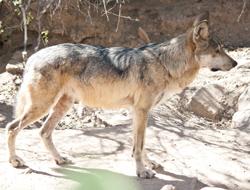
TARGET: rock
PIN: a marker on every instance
(87, 119)
(83, 111)
(14, 69)
(7, 88)
(18, 81)
(115, 117)
(244, 100)
(168, 187)
(212, 188)
(246, 65)
(242, 117)
(207, 102)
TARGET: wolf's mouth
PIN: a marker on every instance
(215, 69)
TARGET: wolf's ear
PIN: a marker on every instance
(201, 27)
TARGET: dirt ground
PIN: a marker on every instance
(193, 151)
(191, 158)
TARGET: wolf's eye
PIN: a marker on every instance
(217, 51)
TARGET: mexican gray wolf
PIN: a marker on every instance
(111, 78)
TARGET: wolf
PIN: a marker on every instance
(57, 76)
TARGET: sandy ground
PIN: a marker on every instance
(191, 158)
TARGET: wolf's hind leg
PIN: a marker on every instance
(12, 130)
(57, 112)
(33, 113)
(33, 102)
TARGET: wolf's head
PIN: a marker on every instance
(209, 52)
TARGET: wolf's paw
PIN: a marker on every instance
(63, 160)
(145, 173)
(16, 161)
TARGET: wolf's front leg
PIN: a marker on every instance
(140, 123)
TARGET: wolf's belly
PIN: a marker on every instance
(109, 96)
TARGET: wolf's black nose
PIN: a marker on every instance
(235, 64)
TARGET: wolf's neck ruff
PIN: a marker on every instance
(175, 57)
